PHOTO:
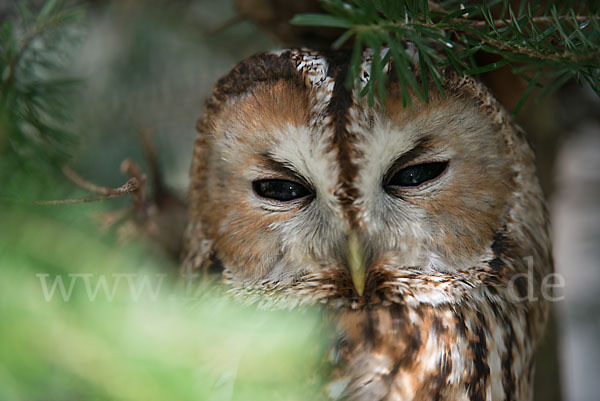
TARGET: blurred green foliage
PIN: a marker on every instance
(153, 342)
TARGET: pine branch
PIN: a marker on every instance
(33, 90)
(561, 42)
(500, 23)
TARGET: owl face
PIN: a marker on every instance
(409, 223)
(301, 174)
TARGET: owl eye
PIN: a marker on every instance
(413, 176)
(280, 190)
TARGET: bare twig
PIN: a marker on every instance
(133, 170)
(86, 185)
(131, 186)
(149, 149)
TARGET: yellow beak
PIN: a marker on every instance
(356, 262)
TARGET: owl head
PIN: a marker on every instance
(409, 223)
(295, 175)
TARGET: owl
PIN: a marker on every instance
(420, 230)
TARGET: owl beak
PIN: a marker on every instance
(356, 262)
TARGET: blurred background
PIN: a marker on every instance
(147, 66)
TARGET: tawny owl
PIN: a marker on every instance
(421, 229)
